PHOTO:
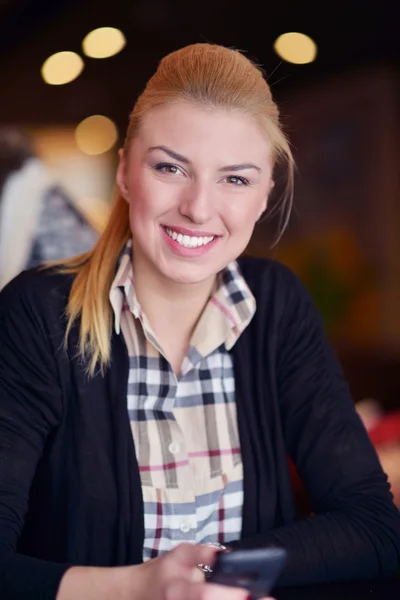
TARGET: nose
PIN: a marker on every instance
(197, 203)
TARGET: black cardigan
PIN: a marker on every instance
(69, 481)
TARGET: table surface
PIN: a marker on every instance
(387, 589)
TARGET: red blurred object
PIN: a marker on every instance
(387, 430)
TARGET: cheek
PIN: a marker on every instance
(145, 197)
(242, 213)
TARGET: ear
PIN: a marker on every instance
(121, 175)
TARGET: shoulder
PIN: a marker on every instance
(268, 279)
(283, 302)
(36, 293)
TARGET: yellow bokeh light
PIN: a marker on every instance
(62, 67)
(96, 135)
(103, 42)
(296, 48)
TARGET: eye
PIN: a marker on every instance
(168, 168)
(237, 180)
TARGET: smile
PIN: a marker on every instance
(188, 241)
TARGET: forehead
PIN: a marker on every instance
(198, 131)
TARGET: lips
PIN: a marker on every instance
(186, 245)
(187, 231)
(188, 241)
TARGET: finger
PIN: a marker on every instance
(197, 576)
(223, 592)
(183, 590)
(191, 555)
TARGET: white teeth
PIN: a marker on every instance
(189, 241)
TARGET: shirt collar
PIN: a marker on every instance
(232, 296)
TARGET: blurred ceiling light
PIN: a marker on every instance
(61, 68)
(96, 135)
(103, 42)
(296, 48)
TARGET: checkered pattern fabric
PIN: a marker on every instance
(185, 428)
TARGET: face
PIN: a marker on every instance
(197, 180)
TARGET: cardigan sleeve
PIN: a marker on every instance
(355, 529)
(30, 408)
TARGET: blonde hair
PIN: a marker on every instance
(200, 73)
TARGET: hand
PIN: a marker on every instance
(175, 576)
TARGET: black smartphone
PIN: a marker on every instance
(256, 570)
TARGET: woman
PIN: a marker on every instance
(153, 389)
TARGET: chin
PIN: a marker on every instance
(189, 275)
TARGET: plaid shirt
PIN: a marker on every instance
(185, 428)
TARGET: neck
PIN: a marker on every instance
(172, 309)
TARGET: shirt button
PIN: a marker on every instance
(174, 448)
(184, 526)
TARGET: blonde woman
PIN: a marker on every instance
(153, 388)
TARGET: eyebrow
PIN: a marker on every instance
(171, 153)
(241, 167)
(186, 161)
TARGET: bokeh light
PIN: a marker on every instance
(296, 48)
(103, 42)
(62, 67)
(96, 134)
